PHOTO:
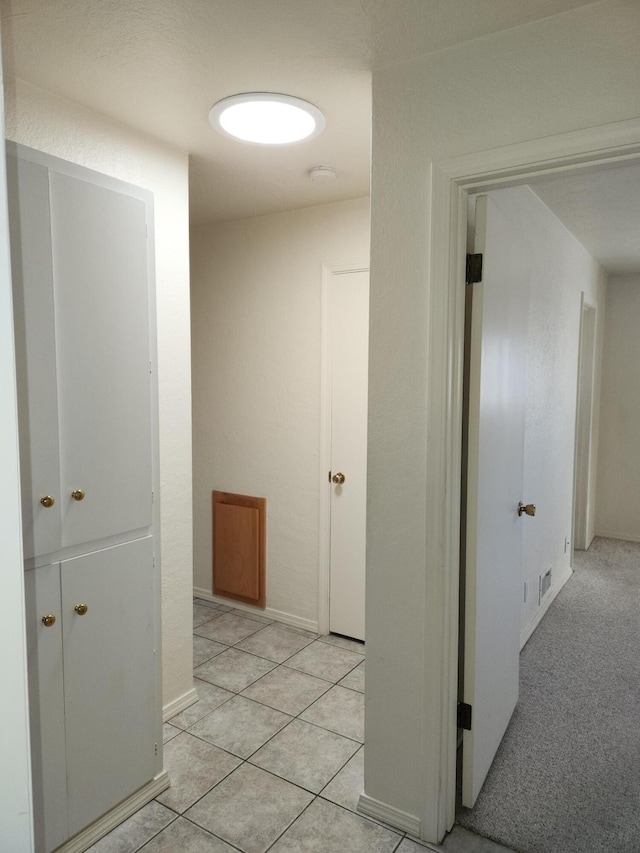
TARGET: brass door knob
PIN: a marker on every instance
(81, 609)
(528, 509)
(77, 494)
(338, 479)
(47, 501)
(48, 620)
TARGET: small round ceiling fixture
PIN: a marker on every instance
(266, 118)
(322, 174)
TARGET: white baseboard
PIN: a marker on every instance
(172, 708)
(626, 537)
(533, 623)
(269, 612)
(113, 818)
(389, 814)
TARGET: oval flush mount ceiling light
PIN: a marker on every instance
(267, 118)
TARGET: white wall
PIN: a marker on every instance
(561, 74)
(16, 831)
(51, 124)
(561, 271)
(256, 314)
(618, 494)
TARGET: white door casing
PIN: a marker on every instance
(493, 576)
(344, 427)
(583, 515)
(451, 182)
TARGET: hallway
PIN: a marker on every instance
(271, 756)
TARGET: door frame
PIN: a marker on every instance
(324, 544)
(451, 182)
(583, 493)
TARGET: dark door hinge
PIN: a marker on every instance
(474, 268)
(464, 716)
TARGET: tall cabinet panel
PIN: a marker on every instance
(82, 275)
(46, 700)
(107, 606)
(28, 195)
(102, 344)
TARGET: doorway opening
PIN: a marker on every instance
(581, 430)
(584, 510)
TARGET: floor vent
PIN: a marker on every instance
(545, 584)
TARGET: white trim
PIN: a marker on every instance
(451, 180)
(512, 164)
(388, 814)
(324, 498)
(581, 532)
(624, 537)
(177, 705)
(536, 619)
(324, 526)
(116, 816)
(268, 612)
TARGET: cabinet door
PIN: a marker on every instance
(101, 299)
(28, 192)
(109, 677)
(46, 707)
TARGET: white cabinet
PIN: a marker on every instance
(83, 314)
(91, 684)
(79, 258)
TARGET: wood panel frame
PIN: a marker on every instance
(248, 583)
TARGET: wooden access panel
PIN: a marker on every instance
(239, 547)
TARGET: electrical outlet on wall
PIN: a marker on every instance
(567, 542)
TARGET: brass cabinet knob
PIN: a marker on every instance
(528, 509)
(47, 501)
(77, 494)
(338, 478)
(81, 609)
(48, 620)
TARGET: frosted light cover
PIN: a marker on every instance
(266, 118)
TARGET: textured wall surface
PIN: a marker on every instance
(50, 124)
(619, 449)
(562, 74)
(256, 309)
(16, 830)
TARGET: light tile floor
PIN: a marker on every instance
(271, 755)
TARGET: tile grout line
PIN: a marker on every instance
(149, 840)
(330, 685)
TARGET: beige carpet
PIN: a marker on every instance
(566, 778)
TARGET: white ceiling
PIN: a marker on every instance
(602, 210)
(159, 65)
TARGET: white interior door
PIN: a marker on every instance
(349, 347)
(493, 578)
